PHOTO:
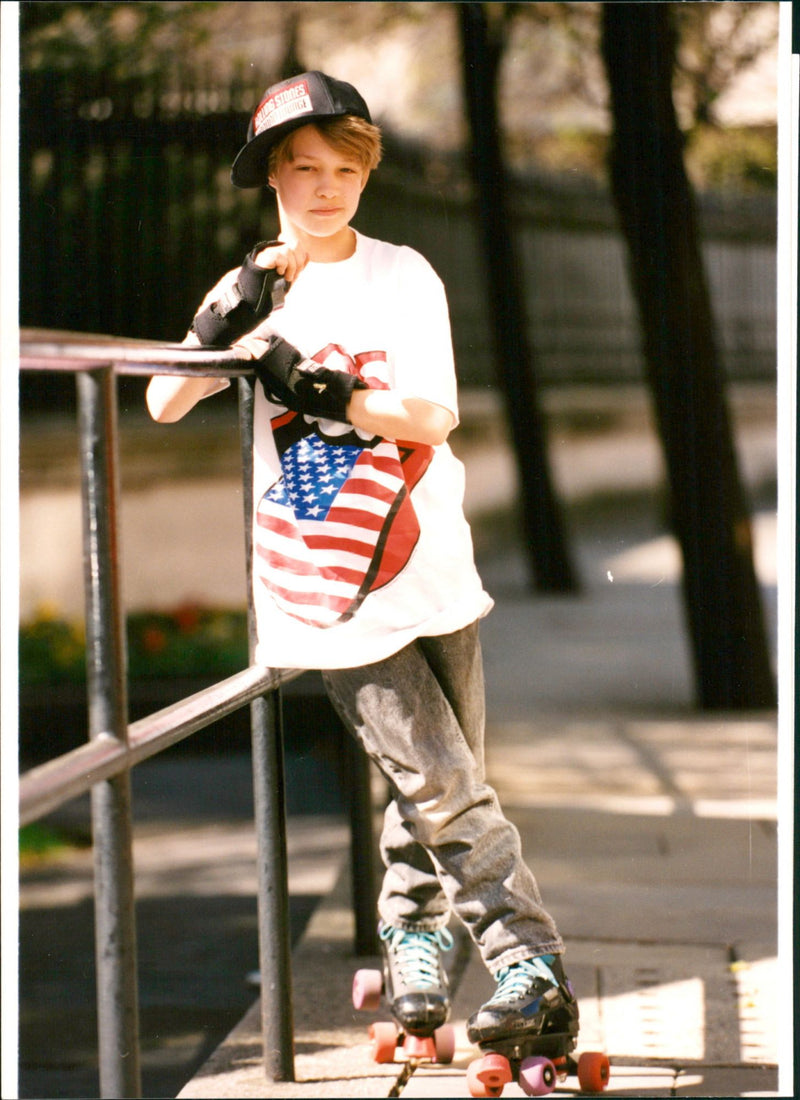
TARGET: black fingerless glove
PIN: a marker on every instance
(303, 385)
(252, 297)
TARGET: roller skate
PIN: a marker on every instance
(527, 1032)
(416, 989)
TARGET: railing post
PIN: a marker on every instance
(277, 1012)
(115, 921)
(362, 848)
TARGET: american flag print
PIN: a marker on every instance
(339, 523)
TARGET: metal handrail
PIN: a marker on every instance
(103, 765)
(44, 788)
(68, 352)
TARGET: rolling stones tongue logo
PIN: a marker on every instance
(339, 523)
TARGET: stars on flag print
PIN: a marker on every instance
(338, 524)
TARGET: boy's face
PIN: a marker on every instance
(319, 188)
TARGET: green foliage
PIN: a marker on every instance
(120, 40)
(38, 841)
(744, 159)
(567, 151)
(51, 651)
(189, 641)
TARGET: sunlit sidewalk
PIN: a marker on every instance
(654, 843)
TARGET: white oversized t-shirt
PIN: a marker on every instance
(360, 544)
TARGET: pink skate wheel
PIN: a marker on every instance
(384, 1041)
(594, 1070)
(445, 1039)
(488, 1075)
(419, 1048)
(537, 1076)
(367, 988)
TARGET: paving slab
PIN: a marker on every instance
(668, 1015)
(197, 928)
(332, 1054)
(728, 1081)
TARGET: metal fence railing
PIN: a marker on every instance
(103, 765)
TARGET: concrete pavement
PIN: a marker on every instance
(652, 829)
(658, 860)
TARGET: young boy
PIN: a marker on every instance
(363, 562)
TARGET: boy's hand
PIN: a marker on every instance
(303, 385)
(288, 259)
(257, 290)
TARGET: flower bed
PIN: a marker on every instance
(172, 655)
(187, 642)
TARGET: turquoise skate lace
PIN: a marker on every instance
(417, 954)
(516, 981)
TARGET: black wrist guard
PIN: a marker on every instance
(252, 297)
(303, 385)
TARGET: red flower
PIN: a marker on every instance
(187, 618)
(154, 639)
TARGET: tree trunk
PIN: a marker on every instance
(542, 531)
(657, 214)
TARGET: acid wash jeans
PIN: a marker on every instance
(446, 844)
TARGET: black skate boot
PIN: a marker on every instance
(533, 998)
(415, 982)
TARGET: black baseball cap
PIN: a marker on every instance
(285, 107)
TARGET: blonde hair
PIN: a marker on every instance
(347, 134)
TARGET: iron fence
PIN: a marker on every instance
(103, 765)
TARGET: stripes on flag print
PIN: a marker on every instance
(339, 523)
